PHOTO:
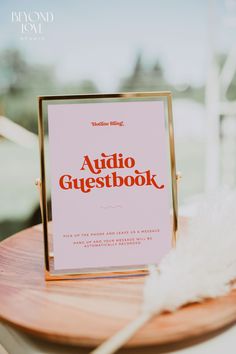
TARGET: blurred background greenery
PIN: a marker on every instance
(22, 79)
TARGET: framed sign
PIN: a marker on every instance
(111, 178)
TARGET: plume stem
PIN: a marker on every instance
(114, 343)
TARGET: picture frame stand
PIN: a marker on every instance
(145, 100)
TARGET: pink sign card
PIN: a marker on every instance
(109, 183)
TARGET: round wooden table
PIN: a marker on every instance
(86, 312)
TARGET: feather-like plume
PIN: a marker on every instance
(203, 264)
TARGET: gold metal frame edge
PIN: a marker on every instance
(126, 95)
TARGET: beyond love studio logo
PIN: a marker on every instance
(32, 24)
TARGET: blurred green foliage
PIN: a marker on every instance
(21, 83)
(231, 91)
(152, 78)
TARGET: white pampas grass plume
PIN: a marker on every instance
(202, 266)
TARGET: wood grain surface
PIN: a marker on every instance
(86, 312)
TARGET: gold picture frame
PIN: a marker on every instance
(50, 274)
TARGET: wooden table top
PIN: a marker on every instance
(86, 312)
